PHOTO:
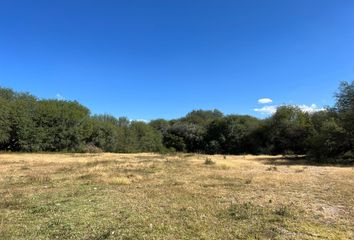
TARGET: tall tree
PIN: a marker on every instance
(345, 108)
(62, 124)
(290, 130)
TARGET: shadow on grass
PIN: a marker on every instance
(302, 160)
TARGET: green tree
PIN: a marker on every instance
(62, 125)
(191, 134)
(290, 130)
(201, 117)
(160, 125)
(231, 134)
(24, 135)
(5, 123)
(174, 142)
(144, 138)
(329, 140)
(345, 109)
(104, 133)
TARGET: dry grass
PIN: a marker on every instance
(151, 196)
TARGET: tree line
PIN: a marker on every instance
(29, 124)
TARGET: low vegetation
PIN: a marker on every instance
(208, 161)
(173, 196)
(28, 124)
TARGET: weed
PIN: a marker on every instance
(283, 211)
(272, 168)
(208, 161)
(248, 181)
(244, 211)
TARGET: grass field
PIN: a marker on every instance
(151, 196)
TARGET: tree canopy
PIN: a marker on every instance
(30, 124)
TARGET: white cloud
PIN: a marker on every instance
(310, 109)
(264, 100)
(59, 96)
(266, 110)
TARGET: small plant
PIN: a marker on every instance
(248, 181)
(244, 211)
(90, 148)
(208, 161)
(283, 211)
(289, 153)
(272, 168)
(300, 170)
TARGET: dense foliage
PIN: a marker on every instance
(30, 124)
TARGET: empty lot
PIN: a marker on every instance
(152, 196)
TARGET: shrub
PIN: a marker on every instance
(244, 211)
(272, 168)
(208, 161)
(349, 155)
(91, 148)
(283, 211)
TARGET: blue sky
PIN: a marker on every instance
(150, 59)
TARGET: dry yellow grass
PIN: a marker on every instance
(152, 196)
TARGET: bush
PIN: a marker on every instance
(244, 211)
(347, 158)
(348, 155)
(91, 148)
(208, 161)
(283, 211)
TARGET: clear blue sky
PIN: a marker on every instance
(149, 59)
